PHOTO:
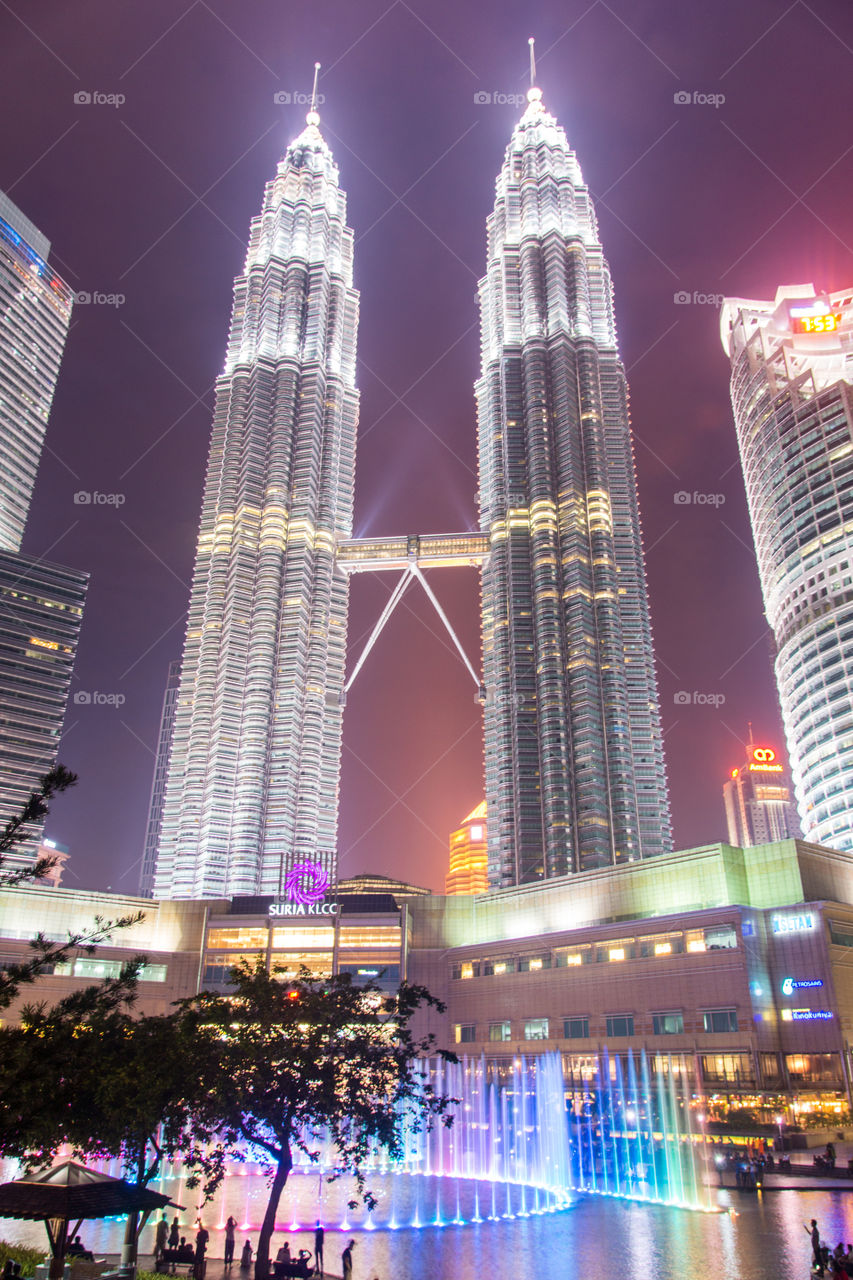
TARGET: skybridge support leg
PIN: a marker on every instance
(390, 605)
(444, 618)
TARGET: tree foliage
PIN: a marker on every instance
(43, 953)
(91, 1074)
(291, 1066)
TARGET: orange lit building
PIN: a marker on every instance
(757, 797)
(468, 860)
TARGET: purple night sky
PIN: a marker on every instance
(152, 200)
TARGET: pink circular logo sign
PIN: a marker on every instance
(306, 883)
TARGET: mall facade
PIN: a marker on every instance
(732, 967)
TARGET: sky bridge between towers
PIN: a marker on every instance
(409, 555)
(427, 550)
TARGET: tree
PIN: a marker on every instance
(89, 1073)
(44, 954)
(20, 827)
(289, 1065)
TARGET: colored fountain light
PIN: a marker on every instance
(525, 1141)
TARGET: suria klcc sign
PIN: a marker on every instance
(305, 887)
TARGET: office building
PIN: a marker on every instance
(573, 753)
(791, 376)
(158, 785)
(41, 611)
(468, 870)
(35, 311)
(252, 784)
(757, 799)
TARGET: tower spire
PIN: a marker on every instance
(313, 115)
(534, 93)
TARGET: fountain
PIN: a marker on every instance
(524, 1141)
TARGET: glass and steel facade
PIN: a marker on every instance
(158, 785)
(573, 752)
(792, 394)
(252, 785)
(41, 611)
(757, 801)
(35, 310)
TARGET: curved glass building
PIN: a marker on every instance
(574, 759)
(792, 369)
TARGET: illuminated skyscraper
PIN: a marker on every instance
(468, 870)
(41, 611)
(41, 604)
(35, 311)
(758, 800)
(574, 758)
(253, 776)
(158, 784)
(792, 393)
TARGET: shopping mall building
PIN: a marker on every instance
(733, 966)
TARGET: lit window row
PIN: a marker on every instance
(690, 941)
(617, 1026)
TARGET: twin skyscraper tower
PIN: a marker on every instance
(574, 763)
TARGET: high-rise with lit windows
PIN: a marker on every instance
(35, 311)
(792, 394)
(41, 604)
(158, 783)
(468, 870)
(41, 612)
(757, 800)
(574, 758)
(252, 785)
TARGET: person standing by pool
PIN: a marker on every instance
(201, 1239)
(319, 1237)
(230, 1229)
(160, 1240)
(346, 1260)
(815, 1235)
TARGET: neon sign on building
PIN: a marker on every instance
(802, 922)
(305, 887)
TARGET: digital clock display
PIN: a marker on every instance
(815, 324)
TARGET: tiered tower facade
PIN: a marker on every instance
(574, 758)
(252, 786)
